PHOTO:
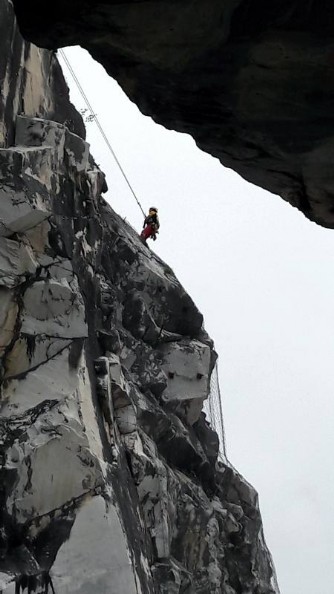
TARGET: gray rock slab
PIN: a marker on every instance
(52, 308)
(91, 561)
(16, 262)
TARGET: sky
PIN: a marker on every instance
(262, 275)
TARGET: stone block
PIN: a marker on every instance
(54, 467)
(30, 351)
(16, 262)
(52, 380)
(77, 152)
(187, 365)
(36, 132)
(52, 308)
(27, 182)
(95, 558)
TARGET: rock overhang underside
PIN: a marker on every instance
(251, 81)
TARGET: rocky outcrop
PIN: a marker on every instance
(110, 475)
(31, 82)
(250, 81)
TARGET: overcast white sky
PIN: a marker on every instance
(263, 277)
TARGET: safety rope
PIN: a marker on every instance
(96, 120)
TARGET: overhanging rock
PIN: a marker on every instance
(250, 81)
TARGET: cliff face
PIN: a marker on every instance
(110, 477)
(251, 81)
(31, 82)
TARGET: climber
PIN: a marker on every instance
(151, 225)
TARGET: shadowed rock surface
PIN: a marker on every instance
(252, 81)
(110, 476)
